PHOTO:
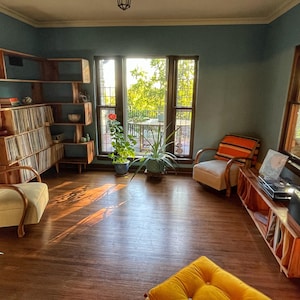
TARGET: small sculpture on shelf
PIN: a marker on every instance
(83, 96)
(27, 100)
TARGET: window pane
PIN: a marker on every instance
(107, 82)
(104, 128)
(290, 135)
(293, 138)
(182, 141)
(146, 97)
(185, 83)
(184, 103)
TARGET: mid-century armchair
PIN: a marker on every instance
(22, 203)
(221, 172)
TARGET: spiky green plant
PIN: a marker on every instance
(157, 155)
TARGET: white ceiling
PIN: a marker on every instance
(74, 13)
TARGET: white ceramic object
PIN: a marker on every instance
(74, 117)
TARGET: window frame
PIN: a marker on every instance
(290, 116)
(120, 97)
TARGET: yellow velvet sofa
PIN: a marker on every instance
(204, 280)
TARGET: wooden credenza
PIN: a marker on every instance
(279, 230)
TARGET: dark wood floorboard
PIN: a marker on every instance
(102, 237)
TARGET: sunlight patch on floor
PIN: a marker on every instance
(80, 198)
(76, 199)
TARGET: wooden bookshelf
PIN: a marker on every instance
(280, 232)
(28, 140)
(24, 123)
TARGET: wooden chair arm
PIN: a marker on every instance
(200, 152)
(17, 168)
(21, 231)
(227, 172)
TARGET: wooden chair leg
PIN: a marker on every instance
(227, 180)
(228, 191)
(21, 230)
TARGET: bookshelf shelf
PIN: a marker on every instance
(80, 154)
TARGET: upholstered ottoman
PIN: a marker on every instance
(204, 280)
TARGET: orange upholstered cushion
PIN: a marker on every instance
(204, 280)
(237, 146)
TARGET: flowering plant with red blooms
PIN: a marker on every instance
(112, 117)
(123, 145)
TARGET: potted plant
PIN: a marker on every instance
(123, 146)
(157, 159)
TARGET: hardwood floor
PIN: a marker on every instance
(102, 237)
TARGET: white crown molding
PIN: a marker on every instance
(171, 22)
(282, 10)
(151, 22)
(17, 16)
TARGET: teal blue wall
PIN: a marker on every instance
(282, 37)
(15, 35)
(244, 70)
(229, 76)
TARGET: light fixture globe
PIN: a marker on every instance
(124, 4)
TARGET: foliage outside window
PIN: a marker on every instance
(147, 94)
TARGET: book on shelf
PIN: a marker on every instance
(262, 218)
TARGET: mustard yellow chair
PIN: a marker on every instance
(22, 203)
(221, 172)
(204, 280)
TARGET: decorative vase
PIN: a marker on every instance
(121, 169)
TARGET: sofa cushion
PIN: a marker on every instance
(11, 204)
(201, 280)
(211, 173)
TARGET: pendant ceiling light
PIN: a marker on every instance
(124, 4)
